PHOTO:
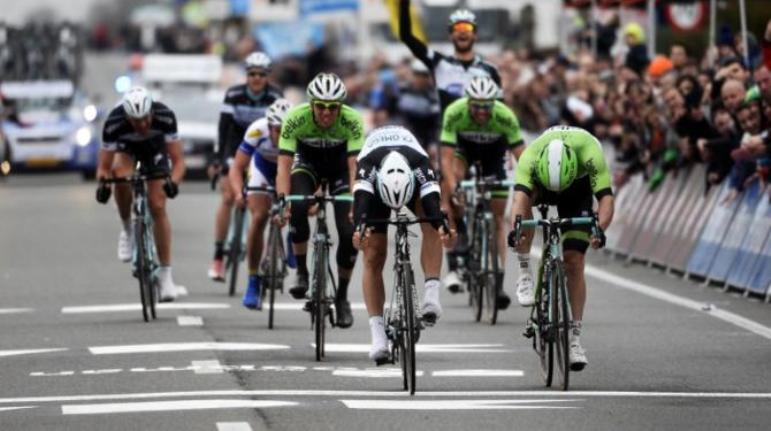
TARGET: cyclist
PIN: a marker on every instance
(142, 130)
(320, 141)
(451, 73)
(393, 162)
(479, 129)
(258, 152)
(564, 166)
(243, 104)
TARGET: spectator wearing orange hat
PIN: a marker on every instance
(660, 66)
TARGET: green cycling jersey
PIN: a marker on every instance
(588, 150)
(300, 133)
(458, 127)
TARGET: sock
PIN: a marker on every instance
(342, 287)
(302, 265)
(432, 289)
(164, 273)
(524, 262)
(219, 250)
(254, 271)
(377, 328)
(126, 225)
(254, 280)
(576, 329)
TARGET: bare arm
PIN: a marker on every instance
(283, 184)
(605, 208)
(351, 172)
(104, 167)
(176, 155)
(449, 182)
(236, 173)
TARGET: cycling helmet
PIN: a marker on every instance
(257, 59)
(137, 102)
(277, 111)
(482, 88)
(557, 166)
(395, 181)
(462, 15)
(327, 87)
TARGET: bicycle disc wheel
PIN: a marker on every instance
(141, 268)
(234, 250)
(561, 319)
(320, 305)
(410, 334)
(490, 272)
(545, 339)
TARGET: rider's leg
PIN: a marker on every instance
(574, 269)
(522, 206)
(452, 280)
(498, 208)
(374, 294)
(302, 183)
(431, 262)
(259, 208)
(156, 199)
(346, 259)
(222, 219)
(123, 166)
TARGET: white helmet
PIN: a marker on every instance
(463, 15)
(327, 87)
(277, 111)
(482, 88)
(137, 102)
(257, 59)
(395, 180)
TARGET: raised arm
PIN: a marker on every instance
(418, 48)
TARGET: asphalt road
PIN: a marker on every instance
(663, 353)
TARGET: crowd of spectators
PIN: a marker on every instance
(659, 113)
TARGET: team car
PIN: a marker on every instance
(48, 125)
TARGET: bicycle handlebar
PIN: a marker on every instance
(135, 178)
(468, 184)
(318, 198)
(516, 233)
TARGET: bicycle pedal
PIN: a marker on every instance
(529, 332)
(382, 361)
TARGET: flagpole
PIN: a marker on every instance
(743, 16)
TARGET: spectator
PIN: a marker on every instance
(637, 57)
(732, 93)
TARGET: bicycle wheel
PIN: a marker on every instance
(319, 300)
(410, 329)
(476, 277)
(561, 321)
(490, 272)
(234, 250)
(544, 342)
(273, 272)
(152, 265)
(142, 271)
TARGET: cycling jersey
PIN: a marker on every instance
(322, 153)
(380, 143)
(419, 111)
(450, 74)
(241, 108)
(263, 152)
(150, 149)
(588, 150)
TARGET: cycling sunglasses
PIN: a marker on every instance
(463, 27)
(481, 106)
(260, 73)
(327, 106)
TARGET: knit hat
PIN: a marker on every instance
(659, 66)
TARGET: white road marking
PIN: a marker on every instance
(103, 371)
(164, 406)
(207, 367)
(421, 348)
(181, 347)
(478, 373)
(233, 426)
(53, 374)
(373, 373)
(455, 404)
(113, 308)
(15, 310)
(4, 353)
(297, 306)
(190, 320)
(387, 394)
(182, 291)
(8, 409)
(653, 292)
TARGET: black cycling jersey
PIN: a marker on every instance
(450, 74)
(119, 135)
(241, 108)
(419, 112)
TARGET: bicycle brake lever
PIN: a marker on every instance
(514, 235)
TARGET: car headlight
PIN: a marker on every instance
(90, 113)
(83, 136)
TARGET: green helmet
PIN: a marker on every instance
(557, 166)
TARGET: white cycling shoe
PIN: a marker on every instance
(525, 289)
(577, 356)
(124, 246)
(378, 352)
(452, 282)
(168, 290)
(431, 309)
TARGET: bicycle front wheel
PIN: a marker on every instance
(234, 249)
(476, 276)
(319, 298)
(274, 277)
(142, 268)
(409, 330)
(490, 271)
(544, 339)
(561, 320)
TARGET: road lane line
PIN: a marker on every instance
(387, 394)
(4, 353)
(181, 347)
(455, 404)
(113, 308)
(373, 373)
(15, 310)
(233, 426)
(421, 348)
(207, 367)
(165, 406)
(190, 320)
(478, 373)
(8, 409)
(298, 306)
(653, 292)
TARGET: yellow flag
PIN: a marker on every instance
(417, 24)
